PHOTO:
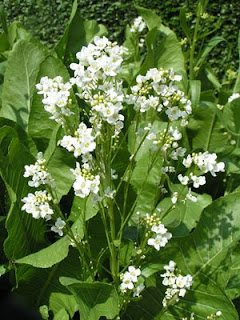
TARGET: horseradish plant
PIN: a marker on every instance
(151, 114)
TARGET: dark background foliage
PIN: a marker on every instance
(47, 19)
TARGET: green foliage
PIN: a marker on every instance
(79, 275)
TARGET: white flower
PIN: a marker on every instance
(85, 182)
(37, 204)
(198, 181)
(138, 290)
(126, 282)
(183, 179)
(138, 25)
(59, 225)
(56, 97)
(233, 97)
(174, 197)
(129, 279)
(159, 241)
(38, 172)
(177, 283)
(159, 229)
(191, 197)
(82, 143)
(134, 273)
(173, 113)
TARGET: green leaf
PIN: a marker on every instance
(20, 226)
(59, 165)
(202, 300)
(195, 92)
(42, 287)
(192, 214)
(237, 84)
(152, 20)
(40, 126)
(233, 286)
(78, 33)
(184, 24)
(163, 50)
(212, 78)
(147, 171)
(48, 256)
(19, 83)
(78, 207)
(212, 43)
(61, 315)
(94, 299)
(230, 117)
(58, 300)
(9, 128)
(207, 249)
(206, 131)
(3, 270)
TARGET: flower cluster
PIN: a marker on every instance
(37, 205)
(85, 182)
(130, 281)
(38, 172)
(157, 90)
(59, 225)
(138, 25)
(177, 283)
(170, 138)
(157, 235)
(82, 143)
(56, 97)
(206, 162)
(96, 77)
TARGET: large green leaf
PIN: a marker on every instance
(20, 226)
(42, 286)
(40, 126)
(19, 83)
(163, 50)
(233, 286)
(59, 165)
(94, 299)
(202, 300)
(78, 33)
(48, 256)
(78, 205)
(208, 248)
(206, 130)
(147, 171)
(152, 20)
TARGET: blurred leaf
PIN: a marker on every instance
(237, 84)
(61, 315)
(212, 43)
(195, 92)
(184, 24)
